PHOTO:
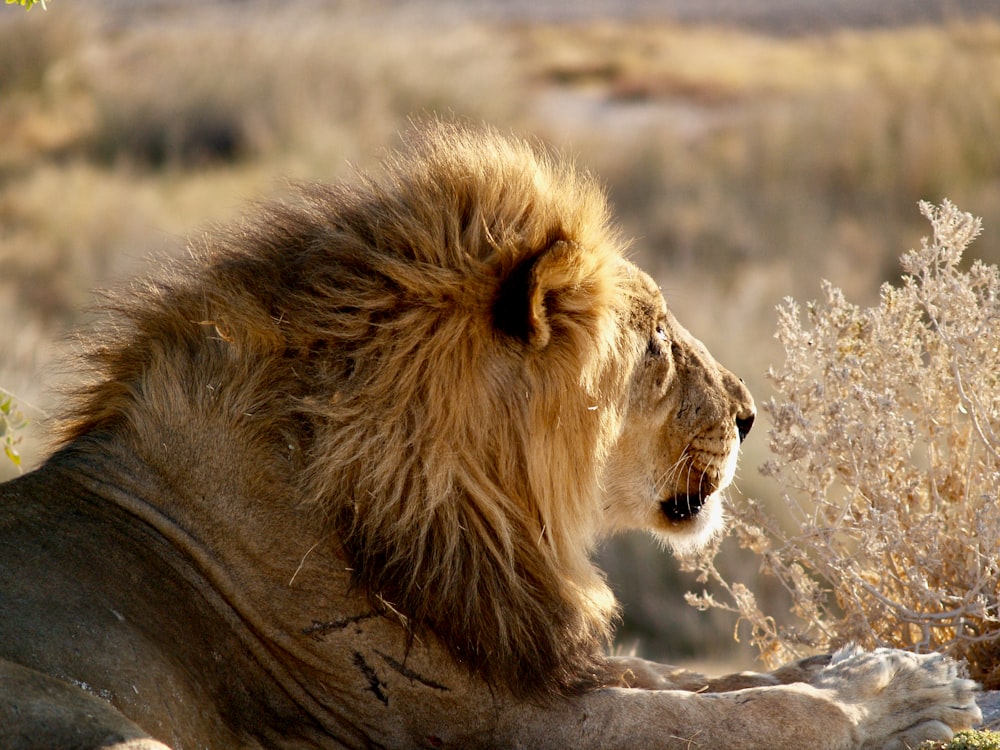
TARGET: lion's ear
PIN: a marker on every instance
(529, 295)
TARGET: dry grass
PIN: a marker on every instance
(840, 135)
(747, 166)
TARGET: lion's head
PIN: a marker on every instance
(455, 364)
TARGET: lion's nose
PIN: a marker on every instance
(743, 425)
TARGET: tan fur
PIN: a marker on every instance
(379, 432)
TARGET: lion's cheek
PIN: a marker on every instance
(629, 497)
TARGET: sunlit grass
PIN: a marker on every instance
(746, 166)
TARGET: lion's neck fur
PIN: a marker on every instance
(230, 458)
(315, 366)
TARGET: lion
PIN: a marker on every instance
(334, 481)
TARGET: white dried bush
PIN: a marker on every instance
(886, 448)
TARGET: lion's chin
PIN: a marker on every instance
(687, 522)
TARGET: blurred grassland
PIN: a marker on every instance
(747, 166)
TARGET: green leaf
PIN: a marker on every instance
(27, 3)
(12, 454)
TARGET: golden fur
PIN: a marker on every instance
(361, 327)
(359, 449)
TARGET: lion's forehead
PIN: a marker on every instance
(644, 302)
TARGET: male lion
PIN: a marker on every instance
(335, 482)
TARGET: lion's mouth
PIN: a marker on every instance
(684, 506)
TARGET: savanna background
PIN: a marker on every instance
(752, 149)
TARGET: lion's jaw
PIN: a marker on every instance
(686, 518)
(689, 519)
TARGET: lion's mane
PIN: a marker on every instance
(420, 357)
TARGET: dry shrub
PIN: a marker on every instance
(886, 443)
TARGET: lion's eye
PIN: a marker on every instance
(658, 342)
